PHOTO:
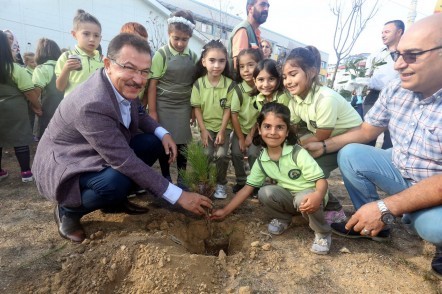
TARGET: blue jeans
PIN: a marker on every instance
(109, 187)
(364, 168)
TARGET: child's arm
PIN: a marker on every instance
(205, 136)
(63, 79)
(238, 131)
(312, 201)
(321, 135)
(152, 98)
(33, 97)
(249, 138)
(220, 137)
(239, 198)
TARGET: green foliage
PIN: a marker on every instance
(355, 70)
(346, 94)
(200, 175)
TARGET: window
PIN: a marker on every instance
(206, 28)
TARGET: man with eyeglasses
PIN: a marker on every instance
(100, 144)
(411, 171)
(247, 34)
(380, 69)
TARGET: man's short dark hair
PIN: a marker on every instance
(249, 2)
(123, 39)
(399, 24)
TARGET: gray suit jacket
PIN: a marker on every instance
(86, 134)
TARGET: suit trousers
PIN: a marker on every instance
(109, 188)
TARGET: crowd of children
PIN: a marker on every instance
(264, 107)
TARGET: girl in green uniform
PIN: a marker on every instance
(170, 87)
(211, 99)
(300, 187)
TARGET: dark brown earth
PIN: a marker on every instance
(164, 252)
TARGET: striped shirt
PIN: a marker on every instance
(415, 125)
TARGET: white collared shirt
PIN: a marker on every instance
(383, 74)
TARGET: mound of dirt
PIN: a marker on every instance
(171, 251)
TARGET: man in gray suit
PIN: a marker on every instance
(100, 144)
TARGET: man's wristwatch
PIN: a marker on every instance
(386, 216)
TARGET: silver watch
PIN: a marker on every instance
(386, 216)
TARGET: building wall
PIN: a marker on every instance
(31, 20)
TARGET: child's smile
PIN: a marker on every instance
(273, 130)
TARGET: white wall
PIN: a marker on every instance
(34, 19)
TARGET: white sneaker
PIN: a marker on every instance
(220, 192)
(321, 244)
(277, 227)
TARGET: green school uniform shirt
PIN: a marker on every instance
(159, 66)
(324, 109)
(43, 73)
(247, 114)
(280, 97)
(293, 176)
(76, 77)
(212, 100)
(21, 78)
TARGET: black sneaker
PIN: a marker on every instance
(237, 187)
(340, 230)
(436, 263)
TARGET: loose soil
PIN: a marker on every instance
(167, 251)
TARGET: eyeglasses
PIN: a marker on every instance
(144, 73)
(410, 57)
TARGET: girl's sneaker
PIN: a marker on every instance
(321, 244)
(3, 174)
(277, 227)
(27, 176)
(220, 192)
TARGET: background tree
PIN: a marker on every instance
(349, 26)
(157, 31)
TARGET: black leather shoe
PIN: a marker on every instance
(126, 207)
(340, 230)
(69, 228)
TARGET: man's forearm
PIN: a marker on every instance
(424, 194)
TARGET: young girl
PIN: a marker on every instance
(244, 115)
(325, 112)
(300, 181)
(170, 87)
(211, 98)
(29, 61)
(43, 78)
(75, 66)
(268, 84)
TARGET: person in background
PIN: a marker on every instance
(47, 54)
(211, 99)
(300, 187)
(170, 87)
(13, 43)
(75, 66)
(380, 69)
(16, 89)
(356, 102)
(29, 61)
(266, 49)
(135, 28)
(268, 84)
(324, 111)
(139, 30)
(100, 144)
(247, 34)
(410, 171)
(244, 115)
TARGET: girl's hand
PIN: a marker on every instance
(219, 138)
(311, 202)
(218, 214)
(242, 145)
(153, 115)
(316, 149)
(249, 140)
(38, 111)
(205, 137)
